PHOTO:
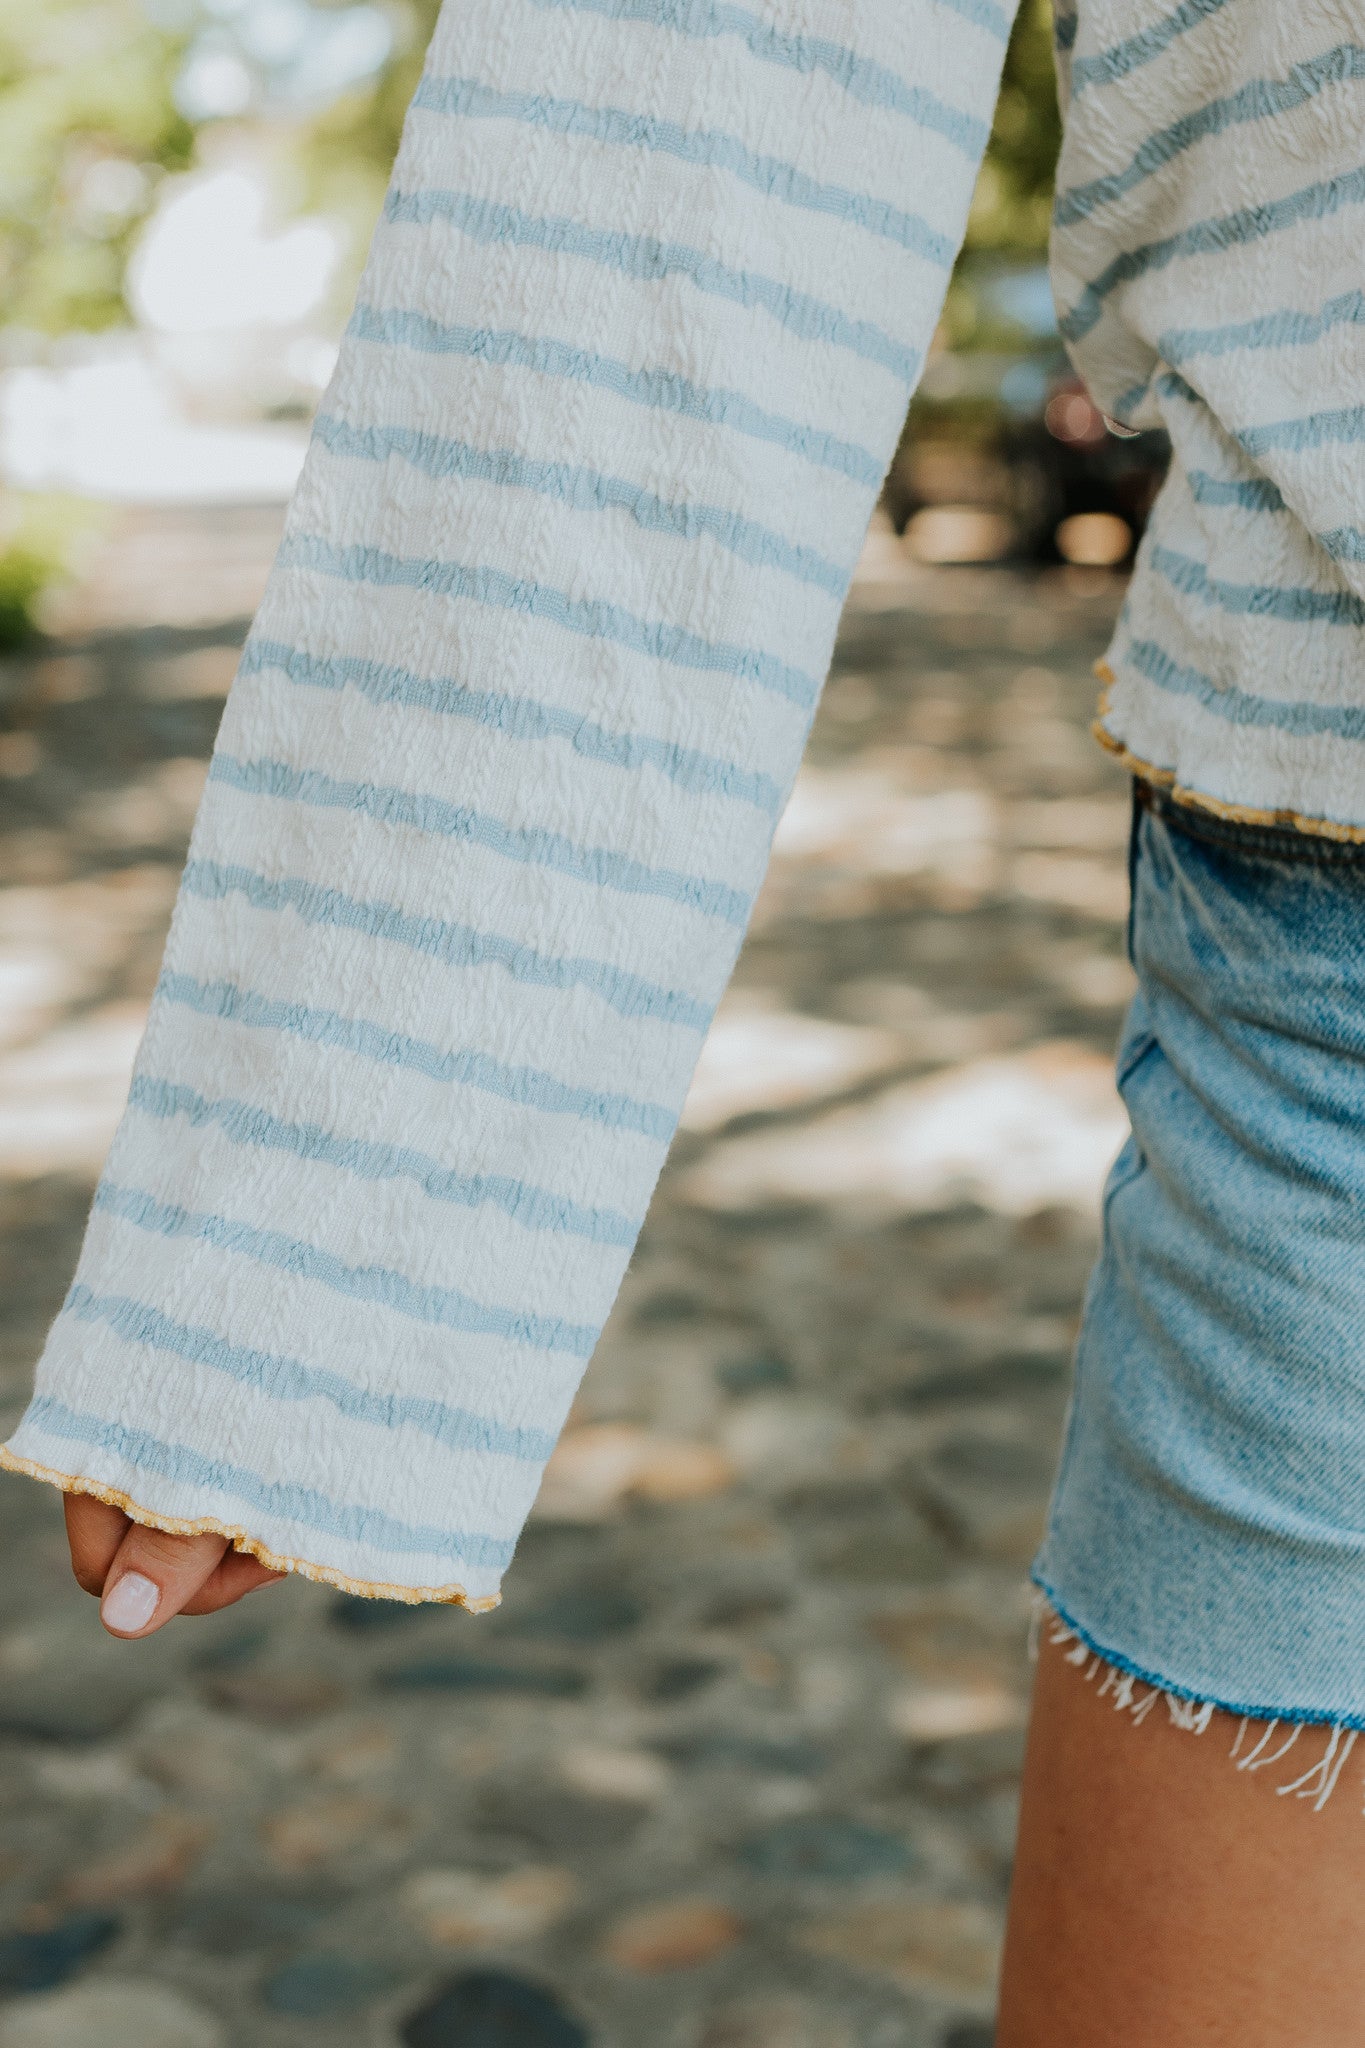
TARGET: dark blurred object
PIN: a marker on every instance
(492, 2009)
(41, 1958)
(1008, 458)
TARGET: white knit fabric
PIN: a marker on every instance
(1207, 269)
(498, 777)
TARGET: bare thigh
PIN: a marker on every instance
(1164, 1899)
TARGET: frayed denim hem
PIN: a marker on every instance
(1122, 1681)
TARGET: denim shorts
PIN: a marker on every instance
(1207, 1530)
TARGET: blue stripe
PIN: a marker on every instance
(862, 78)
(595, 865)
(592, 618)
(528, 1087)
(1313, 430)
(288, 1379)
(1258, 494)
(1343, 543)
(1213, 237)
(586, 490)
(773, 176)
(1253, 494)
(1172, 385)
(1134, 51)
(447, 1307)
(281, 1500)
(246, 1123)
(1241, 707)
(659, 390)
(1286, 329)
(1128, 401)
(1260, 99)
(454, 945)
(650, 259)
(517, 718)
(1256, 600)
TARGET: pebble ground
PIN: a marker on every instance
(735, 1765)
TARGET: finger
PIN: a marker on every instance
(152, 1576)
(236, 1576)
(94, 1531)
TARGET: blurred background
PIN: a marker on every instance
(735, 1765)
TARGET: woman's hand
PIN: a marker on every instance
(142, 1577)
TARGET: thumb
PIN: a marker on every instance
(153, 1575)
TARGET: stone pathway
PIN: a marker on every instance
(735, 1764)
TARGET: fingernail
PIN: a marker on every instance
(130, 1603)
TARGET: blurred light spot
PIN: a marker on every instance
(20, 754)
(109, 429)
(883, 558)
(1035, 1130)
(632, 1775)
(473, 1908)
(599, 1465)
(343, 47)
(61, 1099)
(1023, 296)
(213, 84)
(1095, 888)
(311, 359)
(759, 1059)
(112, 188)
(940, 1715)
(1088, 823)
(157, 807)
(943, 534)
(864, 823)
(1095, 540)
(1102, 981)
(1072, 416)
(1024, 386)
(274, 30)
(205, 262)
(32, 984)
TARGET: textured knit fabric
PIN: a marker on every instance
(498, 777)
(1207, 267)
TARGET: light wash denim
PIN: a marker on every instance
(1208, 1525)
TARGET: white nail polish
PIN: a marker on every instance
(130, 1603)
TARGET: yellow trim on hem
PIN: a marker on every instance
(1236, 814)
(205, 1525)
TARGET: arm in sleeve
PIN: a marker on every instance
(498, 775)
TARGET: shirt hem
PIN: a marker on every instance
(1237, 814)
(207, 1525)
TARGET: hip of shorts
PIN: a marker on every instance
(1208, 1524)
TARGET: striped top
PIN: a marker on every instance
(533, 673)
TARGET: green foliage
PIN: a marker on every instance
(348, 150)
(43, 539)
(1012, 205)
(87, 125)
(1013, 200)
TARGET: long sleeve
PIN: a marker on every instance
(497, 779)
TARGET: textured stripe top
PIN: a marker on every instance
(533, 673)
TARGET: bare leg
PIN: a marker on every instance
(1164, 1899)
